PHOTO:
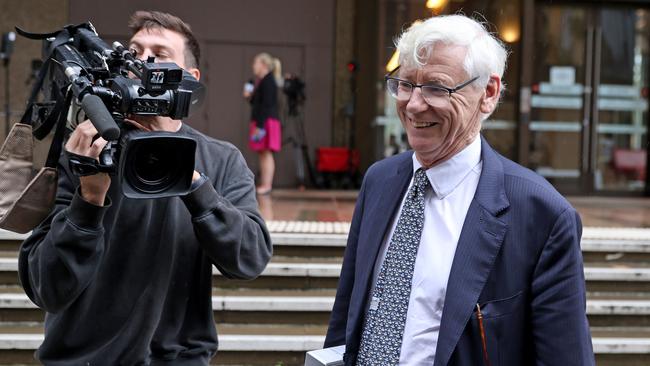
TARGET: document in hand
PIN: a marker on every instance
(332, 356)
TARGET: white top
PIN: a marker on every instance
(454, 183)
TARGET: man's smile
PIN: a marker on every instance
(422, 124)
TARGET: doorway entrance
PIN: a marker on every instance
(588, 108)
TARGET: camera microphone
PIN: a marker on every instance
(96, 111)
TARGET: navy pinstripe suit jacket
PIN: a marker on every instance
(518, 256)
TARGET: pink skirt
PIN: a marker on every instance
(271, 141)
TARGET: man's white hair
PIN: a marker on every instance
(485, 53)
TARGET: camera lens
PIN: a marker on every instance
(155, 166)
(149, 167)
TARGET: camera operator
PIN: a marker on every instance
(128, 281)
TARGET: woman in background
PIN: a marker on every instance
(265, 129)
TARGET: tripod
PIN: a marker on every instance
(294, 119)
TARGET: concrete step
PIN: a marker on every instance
(267, 349)
(285, 244)
(234, 349)
(312, 329)
(227, 342)
(296, 308)
(231, 328)
(314, 238)
(295, 267)
(294, 231)
(270, 342)
(291, 272)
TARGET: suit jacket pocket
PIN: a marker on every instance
(503, 322)
(500, 307)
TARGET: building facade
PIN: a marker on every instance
(575, 108)
(576, 104)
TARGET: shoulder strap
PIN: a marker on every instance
(44, 128)
(57, 142)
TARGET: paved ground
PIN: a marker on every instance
(332, 206)
(613, 212)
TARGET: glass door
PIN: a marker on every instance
(588, 108)
(559, 96)
(620, 111)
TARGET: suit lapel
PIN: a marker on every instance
(478, 246)
(383, 211)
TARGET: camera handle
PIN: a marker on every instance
(91, 104)
(82, 166)
(98, 114)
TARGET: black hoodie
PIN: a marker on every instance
(130, 283)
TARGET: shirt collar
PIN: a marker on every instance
(448, 175)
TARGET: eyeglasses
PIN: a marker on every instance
(434, 95)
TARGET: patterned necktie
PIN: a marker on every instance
(381, 341)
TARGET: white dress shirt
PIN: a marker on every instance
(454, 183)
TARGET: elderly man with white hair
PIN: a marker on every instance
(456, 255)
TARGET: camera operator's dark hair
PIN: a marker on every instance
(150, 19)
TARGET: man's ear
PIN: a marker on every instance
(492, 94)
(195, 72)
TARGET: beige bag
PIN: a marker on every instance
(24, 201)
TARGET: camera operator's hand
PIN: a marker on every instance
(93, 187)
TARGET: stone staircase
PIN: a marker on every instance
(276, 318)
